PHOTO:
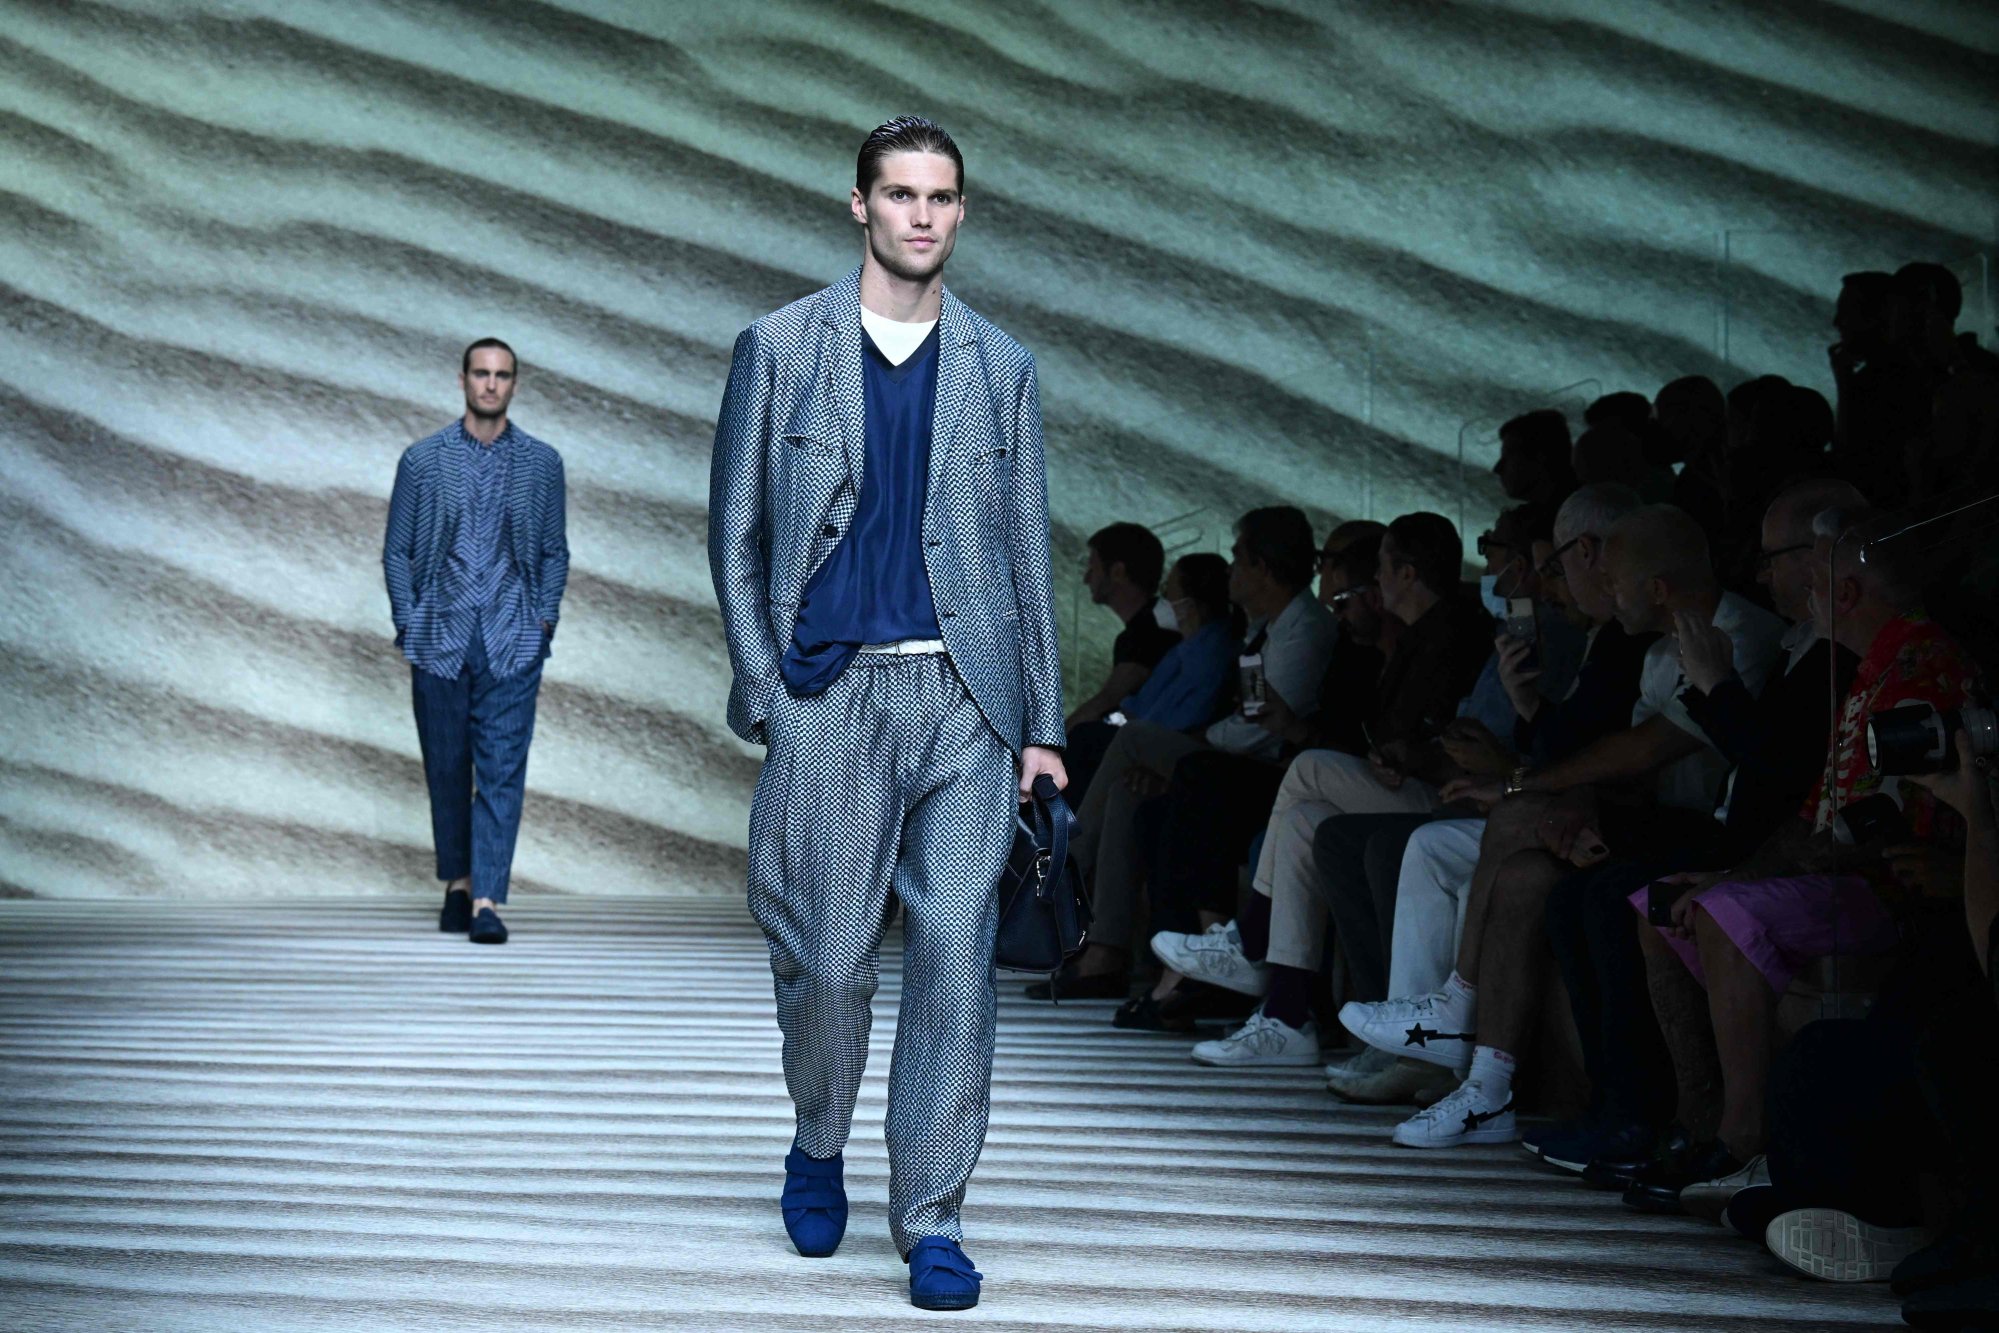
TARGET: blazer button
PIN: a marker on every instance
(832, 531)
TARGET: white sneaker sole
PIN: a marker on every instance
(1296, 1061)
(1483, 1134)
(1838, 1247)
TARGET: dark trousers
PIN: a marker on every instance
(1859, 1109)
(1083, 755)
(1359, 864)
(476, 726)
(1214, 805)
(1594, 935)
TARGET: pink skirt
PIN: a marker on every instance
(1782, 924)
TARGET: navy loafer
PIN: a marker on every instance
(941, 1277)
(814, 1202)
(455, 917)
(487, 928)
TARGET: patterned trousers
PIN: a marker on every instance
(890, 781)
(476, 725)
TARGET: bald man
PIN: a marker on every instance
(1658, 572)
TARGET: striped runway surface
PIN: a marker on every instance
(236, 1114)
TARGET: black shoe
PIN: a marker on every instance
(1961, 1305)
(487, 928)
(1142, 1013)
(1656, 1189)
(455, 916)
(1955, 1256)
(1617, 1171)
(1194, 1002)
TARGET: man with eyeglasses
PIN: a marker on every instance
(1417, 893)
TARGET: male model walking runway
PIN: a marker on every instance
(878, 533)
(476, 558)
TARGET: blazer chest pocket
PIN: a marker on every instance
(811, 447)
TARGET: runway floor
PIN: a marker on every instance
(239, 1115)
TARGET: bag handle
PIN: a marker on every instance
(1052, 820)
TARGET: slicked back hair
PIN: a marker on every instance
(1136, 548)
(1279, 537)
(465, 362)
(1358, 541)
(1429, 543)
(904, 134)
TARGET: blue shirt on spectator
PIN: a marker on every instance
(1187, 688)
(1558, 649)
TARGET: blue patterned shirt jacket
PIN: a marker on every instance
(476, 546)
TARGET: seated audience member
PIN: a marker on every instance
(1190, 685)
(1953, 1282)
(1217, 801)
(1652, 474)
(1270, 577)
(1952, 450)
(1877, 403)
(1533, 464)
(1518, 544)
(1421, 900)
(1745, 932)
(1512, 571)
(1860, 1110)
(1609, 453)
(1278, 943)
(1693, 416)
(1778, 433)
(1122, 573)
(1657, 565)
(1775, 743)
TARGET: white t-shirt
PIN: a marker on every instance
(896, 339)
(1295, 654)
(1694, 782)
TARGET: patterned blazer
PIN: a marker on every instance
(422, 513)
(787, 470)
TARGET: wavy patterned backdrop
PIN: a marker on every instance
(1284, 250)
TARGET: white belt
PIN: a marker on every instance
(905, 647)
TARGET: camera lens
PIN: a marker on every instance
(1910, 739)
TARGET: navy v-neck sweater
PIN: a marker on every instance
(874, 587)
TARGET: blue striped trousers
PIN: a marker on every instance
(890, 782)
(474, 730)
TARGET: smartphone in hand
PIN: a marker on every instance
(1255, 695)
(1521, 624)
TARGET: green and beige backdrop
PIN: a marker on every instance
(1279, 251)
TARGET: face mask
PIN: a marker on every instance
(1488, 595)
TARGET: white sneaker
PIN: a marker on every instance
(1466, 1116)
(1262, 1041)
(1214, 956)
(1709, 1198)
(1380, 1079)
(1839, 1247)
(1441, 1027)
(1366, 1060)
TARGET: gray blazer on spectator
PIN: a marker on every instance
(787, 470)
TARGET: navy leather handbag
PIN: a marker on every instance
(1044, 919)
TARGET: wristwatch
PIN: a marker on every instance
(1516, 781)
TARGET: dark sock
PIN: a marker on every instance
(1254, 927)
(1289, 999)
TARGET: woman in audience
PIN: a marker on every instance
(1190, 686)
